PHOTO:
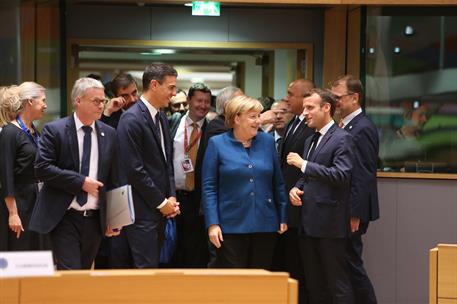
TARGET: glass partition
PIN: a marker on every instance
(411, 87)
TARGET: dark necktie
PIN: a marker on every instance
(278, 143)
(289, 135)
(81, 198)
(157, 124)
(293, 127)
(313, 144)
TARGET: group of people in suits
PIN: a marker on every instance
(239, 197)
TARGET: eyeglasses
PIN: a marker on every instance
(338, 97)
(98, 102)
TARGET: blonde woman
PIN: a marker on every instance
(18, 144)
(244, 198)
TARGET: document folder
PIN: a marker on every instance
(120, 210)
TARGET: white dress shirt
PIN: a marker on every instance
(350, 117)
(92, 201)
(178, 149)
(323, 131)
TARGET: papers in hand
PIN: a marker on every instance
(119, 207)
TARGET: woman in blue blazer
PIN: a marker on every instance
(244, 198)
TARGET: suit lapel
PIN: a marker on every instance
(324, 140)
(73, 140)
(353, 122)
(148, 118)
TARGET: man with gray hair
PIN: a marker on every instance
(217, 125)
(76, 160)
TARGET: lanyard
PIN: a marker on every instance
(34, 138)
(187, 148)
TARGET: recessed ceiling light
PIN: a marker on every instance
(409, 30)
(188, 4)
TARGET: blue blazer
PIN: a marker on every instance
(326, 185)
(57, 165)
(364, 188)
(143, 163)
(243, 192)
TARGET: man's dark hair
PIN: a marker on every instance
(353, 85)
(121, 81)
(198, 86)
(266, 102)
(326, 97)
(157, 71)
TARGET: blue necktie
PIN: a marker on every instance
(81, 198)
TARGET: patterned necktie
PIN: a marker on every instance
(341, 125)
(313, 144)
(81, 198)
(192, 154)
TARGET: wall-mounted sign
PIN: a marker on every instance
(206, 8)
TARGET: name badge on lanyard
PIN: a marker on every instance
(186, 163)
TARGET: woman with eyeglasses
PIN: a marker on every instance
(18, 145)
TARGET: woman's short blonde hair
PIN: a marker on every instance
(239, 105)
(10, 104)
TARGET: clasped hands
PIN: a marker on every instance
(171, 208)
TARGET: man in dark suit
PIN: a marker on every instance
(76, 160)
(146, 151)
(364, 191)
(192, 246)
(283, 116)
(323, 194)
(287, 255)
(217, 125)
(126, 94)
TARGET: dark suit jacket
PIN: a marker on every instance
(291, 173)
(144, 165)
(174, 124)
(57, 165)
(215, 127)
(112, 120)
(326, 185)
(364, 189)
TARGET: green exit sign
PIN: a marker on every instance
(206, 8)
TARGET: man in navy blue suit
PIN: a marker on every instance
(76, 160)
(323, 192)
(364, 192)
(147, 162)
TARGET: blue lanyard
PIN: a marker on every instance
(34, 138)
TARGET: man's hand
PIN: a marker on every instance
(114, 105)
(215, 235)
(171, 208)
(267, 117)
(112, 232)
(282, 228)
(91, 186)
(294, 196)
(294, 159)
(355, 222)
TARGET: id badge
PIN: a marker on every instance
(187, 166)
